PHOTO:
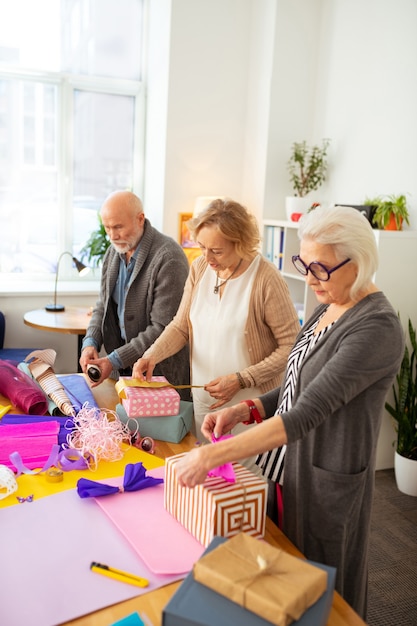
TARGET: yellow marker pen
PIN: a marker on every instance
(118, 574)
(4, 408)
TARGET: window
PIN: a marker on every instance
(71, 122)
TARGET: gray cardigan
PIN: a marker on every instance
(332, 433)
(152, 300)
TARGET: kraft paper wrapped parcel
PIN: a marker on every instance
(196, 604)
(261, 578)
(217, 507)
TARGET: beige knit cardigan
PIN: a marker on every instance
(271, 326)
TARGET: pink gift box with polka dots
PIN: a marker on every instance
(151, 402)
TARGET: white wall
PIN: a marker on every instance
(367, 98)
(246, 78)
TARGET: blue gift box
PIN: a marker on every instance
(172, 428)
(194, 604)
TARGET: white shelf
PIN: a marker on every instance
(286, 232)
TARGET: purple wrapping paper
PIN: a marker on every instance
(77, 390)
(21, 390)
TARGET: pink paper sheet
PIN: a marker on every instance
(163, 544)
(46, 548)
(33, 441)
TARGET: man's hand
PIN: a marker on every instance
(90, 356)
(87, 355)
(106, 369)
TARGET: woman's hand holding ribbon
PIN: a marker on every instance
(221, 422)
(222, 389)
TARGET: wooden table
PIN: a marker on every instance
(72, 321)
(151, 604)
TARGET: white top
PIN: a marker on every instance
(219, 345)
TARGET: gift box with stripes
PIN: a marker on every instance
(217, 507)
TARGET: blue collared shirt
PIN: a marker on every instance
(119, 296)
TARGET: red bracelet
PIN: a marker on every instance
(255, 416)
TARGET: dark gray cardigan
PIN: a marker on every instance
(332, 431)
(152, 300)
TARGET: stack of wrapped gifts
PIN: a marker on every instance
(248, 582)
(141, 400)
(153, 408)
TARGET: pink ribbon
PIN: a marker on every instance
(225, 471)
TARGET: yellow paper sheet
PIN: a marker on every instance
(37, 484)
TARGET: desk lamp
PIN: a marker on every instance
(82, 270)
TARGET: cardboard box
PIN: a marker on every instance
(217, 507)
(194, 604)
(263, 579)
(150, 401)
(172, 428)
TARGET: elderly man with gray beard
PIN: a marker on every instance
(142, 282)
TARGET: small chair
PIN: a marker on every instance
(15, 355)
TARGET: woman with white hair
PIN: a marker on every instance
(329, 408)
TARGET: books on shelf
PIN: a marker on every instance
(273, 245)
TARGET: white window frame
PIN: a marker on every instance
(66, 85)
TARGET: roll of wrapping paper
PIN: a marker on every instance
(42, 371)
(21, 390)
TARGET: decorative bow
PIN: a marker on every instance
(134, 479)
(21, 499)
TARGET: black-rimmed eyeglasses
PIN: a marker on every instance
(318, 270)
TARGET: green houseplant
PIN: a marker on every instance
(96, 246)
(307, 166)
(391, 211)
(404, 413)
(404, 408)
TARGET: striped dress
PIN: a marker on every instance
(272, 462)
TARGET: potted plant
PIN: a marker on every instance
(307, 166)
(391, 211)
(96, 246)
(404, 412)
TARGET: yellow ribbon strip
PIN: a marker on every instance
(152, 384)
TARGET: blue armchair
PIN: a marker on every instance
(15, 355)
